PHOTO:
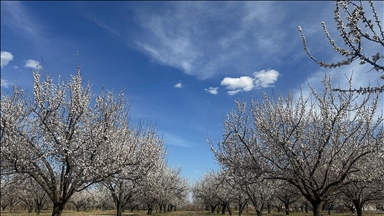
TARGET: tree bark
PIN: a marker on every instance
(57, 209)
(317, 208)
(223, 208)
(149, 209)
(229, 209)
(286, 205)
(213, 208)
(358, 207)
(269, 207)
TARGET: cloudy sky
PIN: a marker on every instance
(181, 64)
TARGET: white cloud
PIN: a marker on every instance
(178, 85)
(261, 79)
(6, 57)
(212, 90)
(236, 85)
(265, 78)
(15, 67)
(30, 63)
(5, 83)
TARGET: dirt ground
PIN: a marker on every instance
(176, 213)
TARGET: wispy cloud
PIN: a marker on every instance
(261, 79)
(30, 63)
(16, 17)
(178, 85)
(5, 83)
(174, 140)
(212, 90)
(206, 38)
(6, 57)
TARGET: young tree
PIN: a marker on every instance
(64, 140)
(313, 143)
(359, 30)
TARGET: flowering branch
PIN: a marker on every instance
(353, 36)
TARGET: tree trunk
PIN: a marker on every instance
(358, 207)
(213, 208)
(223, 208)
(149, 209)
(3, 207)
(317, 209)
(57, 209)
(119, 211)
(118, 201)
(241, 208)
(39, 206)
(286, 205)
(30, 208)
(229, 209)
(278, 209)
(269, 207)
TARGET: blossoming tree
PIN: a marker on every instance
(63, 139)
(314, 143)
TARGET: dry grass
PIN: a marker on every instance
(177, 213)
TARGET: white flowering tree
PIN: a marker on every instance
(82, 200)
(163, 188)
(63, 139)
(224, 191)
(9, 194)
(314, 143)
(366, 186)
(287, 194)
(204, 191)
(234, 184)
(359, 30)
(29, 193)
(123, 186)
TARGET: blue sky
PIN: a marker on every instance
(181, 64)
